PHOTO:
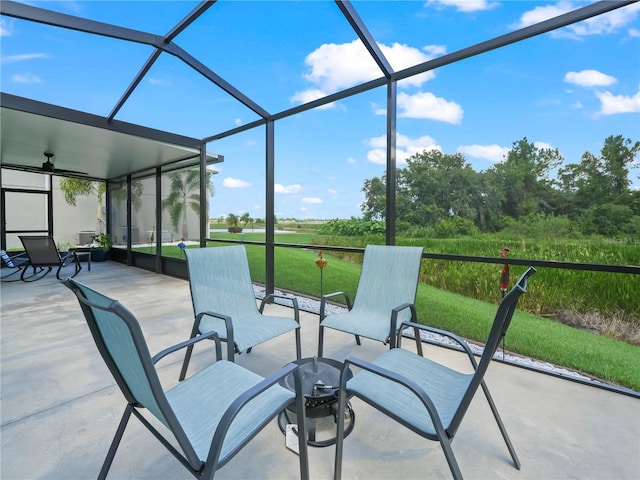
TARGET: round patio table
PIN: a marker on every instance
(320, 386)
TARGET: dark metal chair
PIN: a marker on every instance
(425, 396)
(211, 415)
(386, 290)
(224, 301)
(42, 252)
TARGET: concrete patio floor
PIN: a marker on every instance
(60, 406)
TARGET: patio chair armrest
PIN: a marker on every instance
(225, 318)
(191, 341)
(240, 402)
(228, 325)
(294, 301)
(20, 257)
(325, 298)
(397, 378)
(394, 316)
(457, 339)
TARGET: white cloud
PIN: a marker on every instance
(405, 147)
(160, 82)
(542, 13)
(26, 78)
(237, 121)
(313, 200)
(402, 56)
(464, 5)
(378, 156)
(612, 104)
(543, 146)
(337, 66)
(493, 153)
(427, 105)
(231, 182)
(23, 57)
(589, 78)
(332, 191)
(602, 24)
(351, 160)
(334, 67)
(310, 95)
(634, 32)
(5, 28)
(289, 189)
(608, 22)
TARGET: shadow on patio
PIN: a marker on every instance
(60, 406)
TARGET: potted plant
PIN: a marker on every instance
(101, 244)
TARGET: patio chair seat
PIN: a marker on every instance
(446, 388)
(216, 388)
(250, 329)
(366, 322)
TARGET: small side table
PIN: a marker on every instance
(83, 251)
(320, 386)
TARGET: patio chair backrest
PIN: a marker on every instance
(499, 328)
(389, 278)
(220, 280)
(119, 339)
(41, 250)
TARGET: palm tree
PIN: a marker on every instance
(246, 218)
(185, 191)
(232, 222)
(72, 188)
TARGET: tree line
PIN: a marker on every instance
(443, 192)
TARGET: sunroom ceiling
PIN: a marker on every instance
(86, 143)
(120, 120)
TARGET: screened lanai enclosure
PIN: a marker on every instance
(131, 93)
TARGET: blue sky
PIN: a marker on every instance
(568, 89)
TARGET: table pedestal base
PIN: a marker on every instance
(322, 423)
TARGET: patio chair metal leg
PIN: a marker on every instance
(298, 345)
(114, 444)
(358, 339)
(320, 340)
(185, 363)
(36, 276)
(416, 334)
(451, 459)
(301, 416)
(503, 430)
(337, 467)
(232, 348)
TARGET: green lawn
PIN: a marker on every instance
(610, 360)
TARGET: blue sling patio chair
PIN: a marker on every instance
(42, 253)
(386, 292)
(425, 396)
(211, 415)
(224, 301)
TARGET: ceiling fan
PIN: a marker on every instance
(47, 167)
